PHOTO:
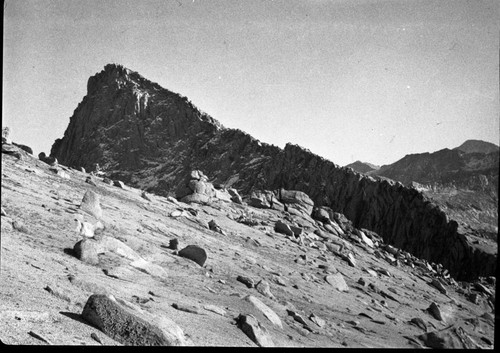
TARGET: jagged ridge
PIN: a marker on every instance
(150, 137)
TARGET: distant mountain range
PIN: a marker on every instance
(463, 180)
(474, 165)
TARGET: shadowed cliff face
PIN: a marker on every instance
(152, 138)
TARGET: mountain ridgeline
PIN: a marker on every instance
(149, 137)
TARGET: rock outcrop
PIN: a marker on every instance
(166, 137)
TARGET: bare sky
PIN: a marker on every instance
(349, 80)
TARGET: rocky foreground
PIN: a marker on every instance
(87, 260)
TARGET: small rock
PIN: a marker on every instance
(119, 183)
(384, 272)
(371, 272)
(19, 226)
(107, 181)
(90, 181)
(176, 214)
(390, 249)
(194, 253)
(95, 337)
(280, 281)
(300, 261)
(58, 293)
(449, 338)
(419, 322)
(296, 316)
(350, 260)
(434, 310)
(392, 290)
(268, 312)
(486, 340)
(246, 281)
(6, 224)
(483, 289)
(437, 284)
(188, 308)
(337, 281)
(85, 229)
(215, 227)
(488, 317)
(317, 320)
(474, 298)
(365, 239)
(263, 288)
(254, 330)
(362, 281)
(215, 309)
(40, 337)
(146, 196)
(173, 244)
(353, 322)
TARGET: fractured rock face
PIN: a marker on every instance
(296, 199)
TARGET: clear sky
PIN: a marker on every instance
(369, 80)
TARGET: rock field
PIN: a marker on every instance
(88, 262)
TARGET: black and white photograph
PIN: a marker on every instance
(250, 173)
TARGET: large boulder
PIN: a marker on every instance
(91, 204)
(197, 189)
(194, 253)
(267, 311)
(451, 337)
(47, 159)
(235, 196)
(321, 214)
(287, 229)
(262, 199)
(87, 250)
(296, 199)
(130, 327)
(255, 330)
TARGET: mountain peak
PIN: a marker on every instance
(362, 167)
(477, 146)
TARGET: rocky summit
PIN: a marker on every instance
(152, 224)
(151, 138)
